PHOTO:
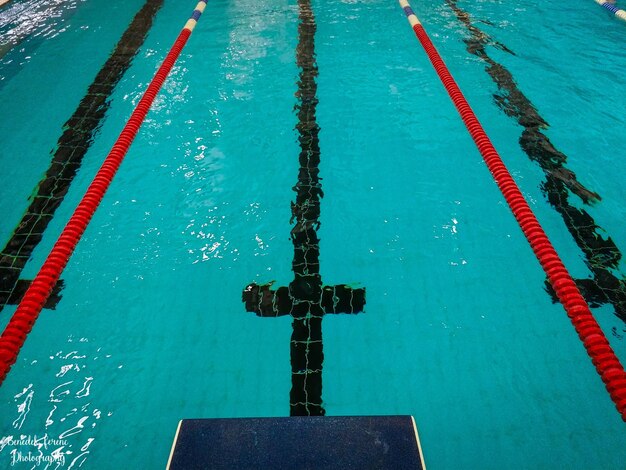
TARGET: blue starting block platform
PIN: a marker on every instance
(298, 443)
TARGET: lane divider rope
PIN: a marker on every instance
(621, 14)
(22, 321)
(602, 355)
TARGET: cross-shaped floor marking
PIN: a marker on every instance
(306, 299)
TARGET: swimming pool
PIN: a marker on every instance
(457, 330)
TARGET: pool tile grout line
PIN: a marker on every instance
(77, 137)
(306, 299)
(601, 254)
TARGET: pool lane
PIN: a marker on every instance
(306, 299)
(602, 256)
(78, 135)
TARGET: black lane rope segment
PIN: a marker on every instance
(306, 299)
(602, 256)
(78, 134)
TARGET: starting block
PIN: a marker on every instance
(298, 443)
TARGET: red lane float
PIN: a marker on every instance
(604, 359)
(22, 321)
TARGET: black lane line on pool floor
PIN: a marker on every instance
(77, 137)
(602, 255)
(306, 299)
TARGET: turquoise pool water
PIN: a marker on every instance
(458, 329)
